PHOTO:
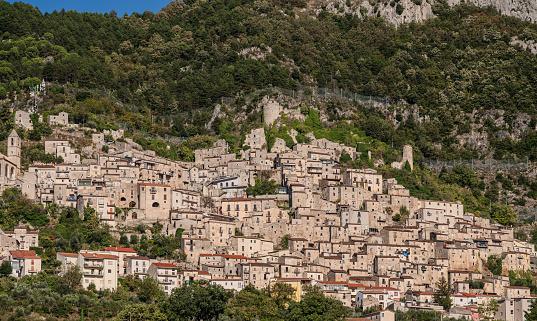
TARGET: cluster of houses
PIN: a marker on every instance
(360, 237)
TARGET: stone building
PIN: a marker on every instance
(408, 157)
(23, 120)
(62, 119)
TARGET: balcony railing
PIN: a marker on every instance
(93, 265)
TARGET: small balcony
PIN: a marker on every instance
(166, 281)
(95, 274)
(93, 265)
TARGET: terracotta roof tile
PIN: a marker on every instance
(23, 254)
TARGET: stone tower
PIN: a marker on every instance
(271, 110)
(407, 156)
(14, 148)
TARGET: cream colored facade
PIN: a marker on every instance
(98, 270)
(325, 225)
(24, 263)
(155, 200)
(166, 274)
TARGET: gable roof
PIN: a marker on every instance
(23, 254)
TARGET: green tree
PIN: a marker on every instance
(402, 216)
(251, 304)
(488, 311)
(494, 264)
(134, 239)
(3, 92)
(262, 187)
(442, 293)
(196, 301)
(315, 306)
(503, 214)
(345, 158)
(141, 312)
(5, 268)
(71, 280)
(15, 208)
(523, 278)
(124, 239)
(531, 314)
(418, 315)
(463, 176)
(284, 242)
(282, 294)
(149, 291)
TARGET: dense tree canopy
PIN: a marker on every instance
(175, 65)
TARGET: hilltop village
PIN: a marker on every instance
(361, 238)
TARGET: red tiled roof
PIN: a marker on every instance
(357, 285)
(119, 249)
(23, 254)
(68, 254)
(165, 265)
(138, 257)
(234, 256)
(99, 256)
(42, 166)
(334, 282)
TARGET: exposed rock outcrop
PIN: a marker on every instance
(395, 12)
(404, 11)
(528, 45)
(523, 9)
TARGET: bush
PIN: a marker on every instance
(399, 9)
(494, 264)
(262, 187)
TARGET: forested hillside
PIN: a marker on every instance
(465, 69)
(470, 74)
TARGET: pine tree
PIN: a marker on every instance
(531, 315)
(442, 294)
(5, 268)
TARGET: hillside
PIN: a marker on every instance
(459, 86)
(270, 160)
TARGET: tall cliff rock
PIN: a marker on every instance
(405, 11)
(522, 9)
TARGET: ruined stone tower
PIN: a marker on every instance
(271, 110)
(407, 157)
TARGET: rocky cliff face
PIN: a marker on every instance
(522, 9)
(404, 11)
